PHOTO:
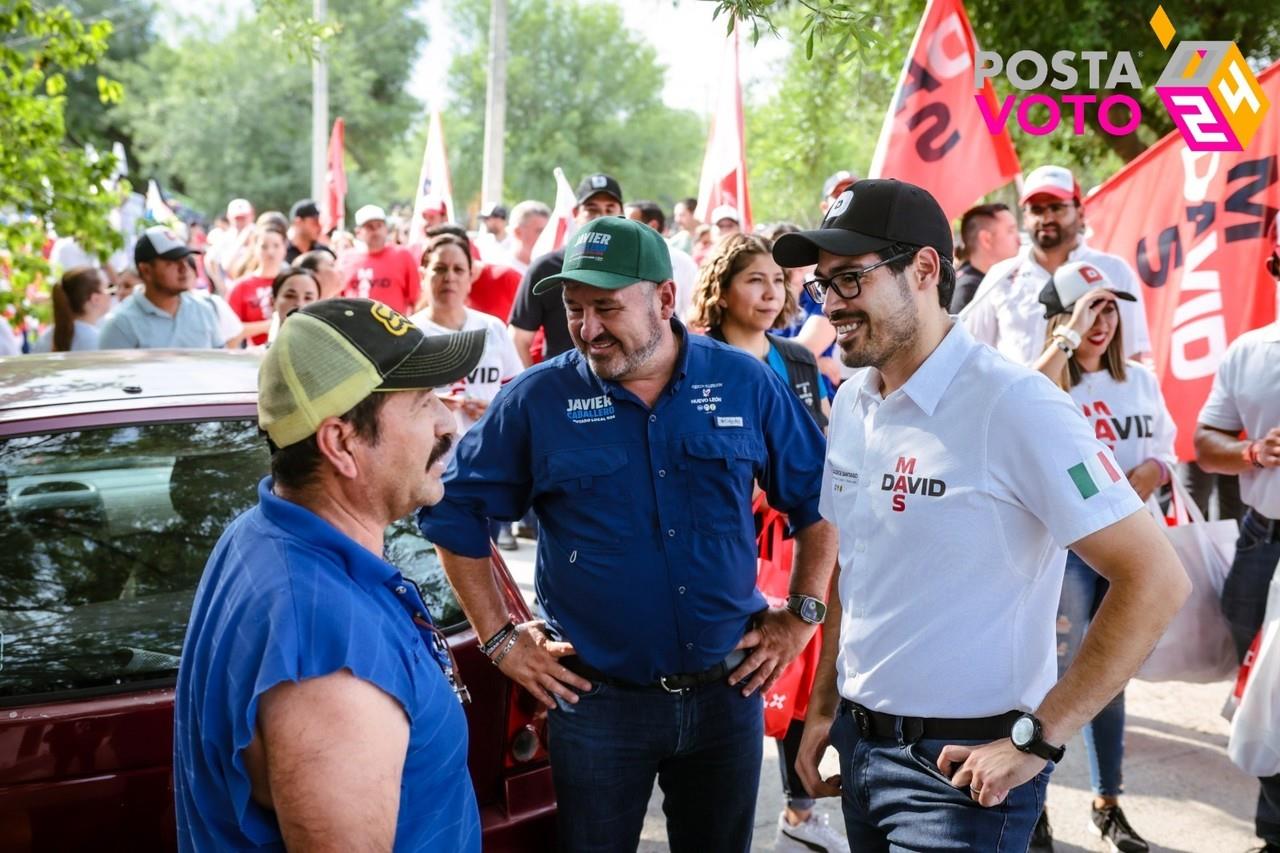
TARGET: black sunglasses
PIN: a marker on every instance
(847, 284)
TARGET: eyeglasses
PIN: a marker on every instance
(444, 658)
(1039, 210)
(848, 284)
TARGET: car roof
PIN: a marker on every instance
(34, 385)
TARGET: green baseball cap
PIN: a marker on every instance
(612, 253)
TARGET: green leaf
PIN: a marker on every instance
(55, 85)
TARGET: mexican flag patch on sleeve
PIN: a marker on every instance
(1094, 474)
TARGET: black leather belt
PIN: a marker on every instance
(876, 724)
(1270, 526)
(677, 683)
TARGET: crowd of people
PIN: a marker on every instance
(979, 544)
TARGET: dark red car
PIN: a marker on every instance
(118, 473)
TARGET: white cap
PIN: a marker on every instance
(369, 213)
(239, 207)
(725, 211)
(1052, 180)
(1070, 282)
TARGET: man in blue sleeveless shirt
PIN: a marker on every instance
(313, 705)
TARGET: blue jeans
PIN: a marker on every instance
(1082, 592)
(895, 799)
(1244, 603)
(704, 746)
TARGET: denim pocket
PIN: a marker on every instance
(929, 764)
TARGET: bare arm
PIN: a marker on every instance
(1222, 452)
(1148, 585)
(534, 661)
(780, 635)
(328, 758)
(523, 340)
(823, 701)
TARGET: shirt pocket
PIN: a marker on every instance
(587, 499)
(719, 473)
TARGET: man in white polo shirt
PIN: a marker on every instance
(1246, 397)
(1005, 311)
(956, 479)
(166, 314)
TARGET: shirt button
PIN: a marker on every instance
(653, 419)
(400, 590)
(671, 532)
(860, 546)
(662, 472)
(680, 590)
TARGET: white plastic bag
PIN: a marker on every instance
(1197, 645)
(1255, 730)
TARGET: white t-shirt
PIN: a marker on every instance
(1006, 312)
(954, 498)
(85, 337)
(1246, 396)
(498, 363)
(684, 272)
(66, 254)
(1129, 417)
(228, 323)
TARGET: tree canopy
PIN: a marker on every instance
(46, 181)
(583, 93)
(221, 117)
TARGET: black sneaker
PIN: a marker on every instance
(1041, 836)
(1110, 825)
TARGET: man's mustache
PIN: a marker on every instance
(443, 443)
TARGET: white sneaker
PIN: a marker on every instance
(816, 834)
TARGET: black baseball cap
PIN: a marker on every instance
(336, 352)
(598, 183)
(161, 242)
(305, 209)
(493, 211)
(871, 215)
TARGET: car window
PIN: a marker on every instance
(104, 534)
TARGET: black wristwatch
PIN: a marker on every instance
(808, 608)
(1028, 736)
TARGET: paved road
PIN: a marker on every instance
(1183, 793)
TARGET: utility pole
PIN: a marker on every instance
(319, 109)
(495, 112)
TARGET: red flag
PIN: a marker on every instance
(724, 168)
(560, 225)
(1193, 225)
(435, 185)
(934, 135)
(333, 211)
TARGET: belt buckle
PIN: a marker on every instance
(862, 720)
(662, 682)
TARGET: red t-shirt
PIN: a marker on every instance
(250, 298)
(494, 290)
(390, 276)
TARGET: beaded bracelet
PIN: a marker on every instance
(491, 644)
(506, 650)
